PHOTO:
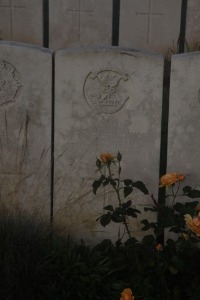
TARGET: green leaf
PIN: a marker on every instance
(106, 182)
(191, 193)
(131, 241)
(127, 191)
(173, 270)
(175, 229)
(150, 209)
(102, 178)
(140, 186)
(96, 184)
(132, 212)
(148, 240)
(120, 210)
(179, 207)
(98, 163)
(120, 169)
(113, 182)
(128, 182)
(146, 224)
(186, 189)
(117, 218)
(119, 156)
(194, 194)
(105, 219)
(191, 205)
(109, 207)
(127, 204)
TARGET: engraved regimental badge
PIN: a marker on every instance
(9, 83)
(105, 90)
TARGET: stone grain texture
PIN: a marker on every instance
(107, 100)
(184, 121)
(21, 21)
(25, 127)
(150, 24)
(193, 25)
(80, 23)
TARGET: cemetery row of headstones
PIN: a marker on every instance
(105, 100)
(143, 24)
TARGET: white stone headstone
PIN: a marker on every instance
(107, 100)
(21, 21)
(25, 127)
(193, 25)
(80, 23)
(184, 121)
(150, 24)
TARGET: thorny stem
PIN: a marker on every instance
(119, 199)
(174, 194)
(119, 172)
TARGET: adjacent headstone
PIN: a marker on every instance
(80, 23)
(193, 25)
(21, 21)
(25, 127)
(150, 24)
(106, 100)
(184, 121)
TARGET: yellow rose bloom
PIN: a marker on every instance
(106, 158)
(127, 295)
(193, 224)
(170, 179)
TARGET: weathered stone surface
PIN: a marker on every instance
(184, 121)
(106, 101)
(25, 127)
(80, 23)
(150, 24)
(193, 24)
(21, 21)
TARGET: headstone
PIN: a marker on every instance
(21, 21)
(193, 25)
(80, 23)
(107, 100)
(25, 127)
(150, 24)
(184, 121)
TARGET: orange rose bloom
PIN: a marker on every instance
(171, 178)
(180, 177)
(127, 295)
(193, 224)
(106, 158)
(159, 247)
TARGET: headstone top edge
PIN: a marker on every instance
(116, 49)
(185, 55)
(26, 46)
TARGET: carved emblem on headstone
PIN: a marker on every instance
(105, 90)
(9, 83)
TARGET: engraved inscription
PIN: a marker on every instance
(105, 91)
(9, 83)
(149, 14)
(12, 7)
(80, 11)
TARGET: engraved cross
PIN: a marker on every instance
(149, 14)
(12, 6)
(79, 11)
